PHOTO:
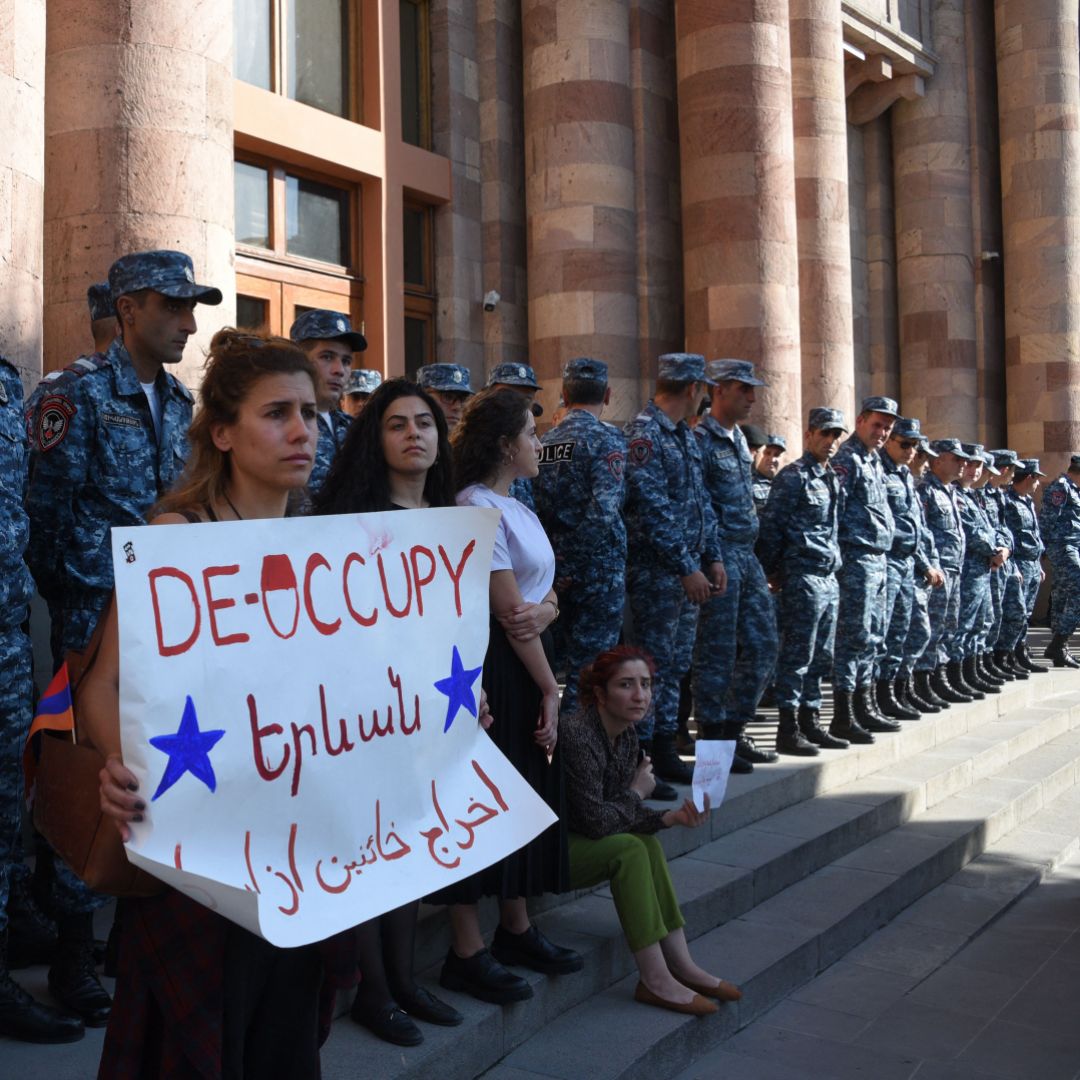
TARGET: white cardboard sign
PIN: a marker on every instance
(712, 766)
(298, 699)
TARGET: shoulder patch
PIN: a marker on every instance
(640, 450)
(616, 462)
(556, 452)
(1057, 497)
(841, 471)
(53, 420)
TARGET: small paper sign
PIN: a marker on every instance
(711, 768)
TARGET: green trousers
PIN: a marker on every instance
(640, 883)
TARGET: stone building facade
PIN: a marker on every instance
(858, 195)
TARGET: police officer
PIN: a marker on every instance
(982, 489)
(449, 385)
(109, 437)
(673, 553)
(522, 378)
(21, 1017)
(766, 464)
(1059, 521)
(736, 635)
(941, 505)
(360, 384)
(866, 533)
(905, 563)
(1018, 602)
(995, 492)
(329, 341)
(579, 495)
(799, 548)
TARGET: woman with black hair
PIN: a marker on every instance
(395, 457)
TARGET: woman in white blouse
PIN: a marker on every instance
(494, 444)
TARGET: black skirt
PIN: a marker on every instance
(542, 865)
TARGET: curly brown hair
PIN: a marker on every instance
(478, 440)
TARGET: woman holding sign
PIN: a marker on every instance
(494, 444)
(195, 993)
(395, 457)
(612, 831)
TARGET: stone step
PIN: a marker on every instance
(732, 872)
(936, 880)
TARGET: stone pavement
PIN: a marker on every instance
(1004, 1006)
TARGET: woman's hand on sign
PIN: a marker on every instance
(119, 795)
(547, 726)
(484, 715)
(688, 815)
(527, 621)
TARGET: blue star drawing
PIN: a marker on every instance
(458, 689)
(188, 750)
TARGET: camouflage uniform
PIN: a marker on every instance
(1002, 577)
(330, 440)
(16, 588)
(1059, 520)
(736, 638)
(580, 492)
(799, 541)
(760, 486)
(671, 532)
(980, 545)
(866, 533)
(941, 504)
(1019, 600)
(918, 635)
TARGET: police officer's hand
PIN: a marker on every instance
(483, 716)
(547, 726)
(998, 558)
(644, 783)
(934, 577)
(527, 621)
(688, 815)
(1042, 575)
(717, 578)
(118, 795)
(776, 582)
(697, 587)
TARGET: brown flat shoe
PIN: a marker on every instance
(722, 990)
(698, 1007)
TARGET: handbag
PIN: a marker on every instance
(66, 786)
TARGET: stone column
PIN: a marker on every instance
(1039, 113)
(740, 251)
(821, 204)
(138, 153)
(579, 192)
(935, 247)
(880, 216)
(22, 175)
(860, 268)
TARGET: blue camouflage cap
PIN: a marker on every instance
(584, 367)
(974, 450)
(446, 378)
(826, 420)
(321, 324)
(1004, 458)
(776, 440)
(926, 448)
(511, 374)
(906, 427)
(754, 436)
(881, 404)
(1027, 467)
(100, 302)
(737, 370)
(683, 367)
(950, 446)
(988, 463)
(362, 380)
(170, 273)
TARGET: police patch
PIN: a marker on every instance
(841, 471)
(640, 451)
(616, 460)
(53, 420)
(1058, 497)
(554, 453)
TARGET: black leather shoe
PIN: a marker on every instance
(810, 725)
(423, 1005)
(666, 762)
(1058, 651)
(483, 977)
(25, 1018)
(31, 936)
(391, 1023)
(532, 950)
(664, 792)
(867, 716)
(1024, 660)
(741, 766)
(790, 740)
(748, 751)
(74, 983)
(844, 724)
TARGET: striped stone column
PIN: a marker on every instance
(138, 153)
(1039, 117)
(935, 245)
(579, 192)
(740, 250)
(821, 204)
(883, 341)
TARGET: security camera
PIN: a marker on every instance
(491, 299)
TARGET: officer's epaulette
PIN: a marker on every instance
(79, 367)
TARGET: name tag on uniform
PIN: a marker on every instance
(555, 453)
(117, 420)
(723, 455)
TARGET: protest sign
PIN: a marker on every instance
(298, 699)
(712, 766)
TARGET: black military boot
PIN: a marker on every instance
(910, 696)
(729, 733)
(844, 723)
(954, 671)
(998, 668)
(72, 978)
(790, 740)
(662, 792)
(1025, 660)
(921, 681)
(867, 714)
(25, 1018)
(1005, 661)
(1058, 651)
(748, 750)
(943, 685)
(810, 725)
(969, 668)
(31, 937)
(889, 705)
(987, 672)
